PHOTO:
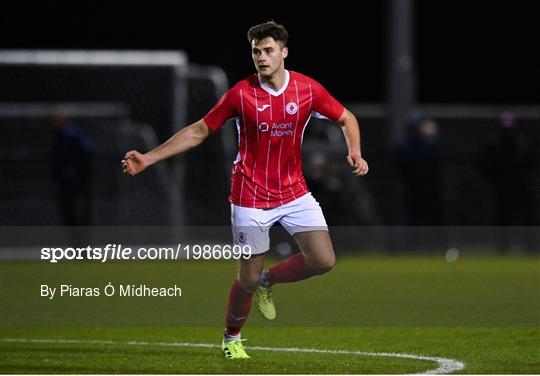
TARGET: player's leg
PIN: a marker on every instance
(317, 251)
(239, 305)
(250, 229)
(305, 221)
(316, 257)
(242, 289)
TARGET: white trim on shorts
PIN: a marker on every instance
(251, 226)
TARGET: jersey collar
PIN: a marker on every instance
(272, 91)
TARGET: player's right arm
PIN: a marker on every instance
(184, 140)
(188, 138)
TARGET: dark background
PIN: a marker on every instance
(467, 51)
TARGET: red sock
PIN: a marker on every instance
(291, 270)
(237, 309)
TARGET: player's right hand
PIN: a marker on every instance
(134, 163)
(358, 164)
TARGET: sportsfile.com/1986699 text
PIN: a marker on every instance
(117, 252)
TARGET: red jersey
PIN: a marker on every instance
(267, 171)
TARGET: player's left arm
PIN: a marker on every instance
(351, 130)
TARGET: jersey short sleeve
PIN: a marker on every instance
(224, 110)
(325, 104)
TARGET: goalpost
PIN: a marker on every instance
(121, 93)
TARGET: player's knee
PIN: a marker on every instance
(327, 266)
(324, 265)
(249, 282)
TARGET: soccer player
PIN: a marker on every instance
(271, 109)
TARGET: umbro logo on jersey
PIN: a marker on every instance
(263, 107)
(291, 108)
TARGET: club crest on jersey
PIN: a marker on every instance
(291, 108)
(263, 127)
(242, 237)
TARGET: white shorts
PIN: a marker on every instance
(251, 226)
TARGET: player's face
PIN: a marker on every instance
(268, 56)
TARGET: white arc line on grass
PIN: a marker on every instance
(445, 365)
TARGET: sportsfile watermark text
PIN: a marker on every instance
(109, 290)
(118, 252)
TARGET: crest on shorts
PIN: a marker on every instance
(242, 237)
(291, 108)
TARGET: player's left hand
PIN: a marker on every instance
(358, 164)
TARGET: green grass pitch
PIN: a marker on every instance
(482, 311)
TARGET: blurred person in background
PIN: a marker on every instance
(71, 166)
(347, 201)
(420, 166)
(510, 165)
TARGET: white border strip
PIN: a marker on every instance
(445, 365)
(90, 57)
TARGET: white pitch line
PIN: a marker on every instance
(445, 365)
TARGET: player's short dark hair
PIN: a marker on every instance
(268, 29)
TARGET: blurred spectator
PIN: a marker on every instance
(71, 167)
(327, 186)
(510, 165)
(347, 200)
(420, 165)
